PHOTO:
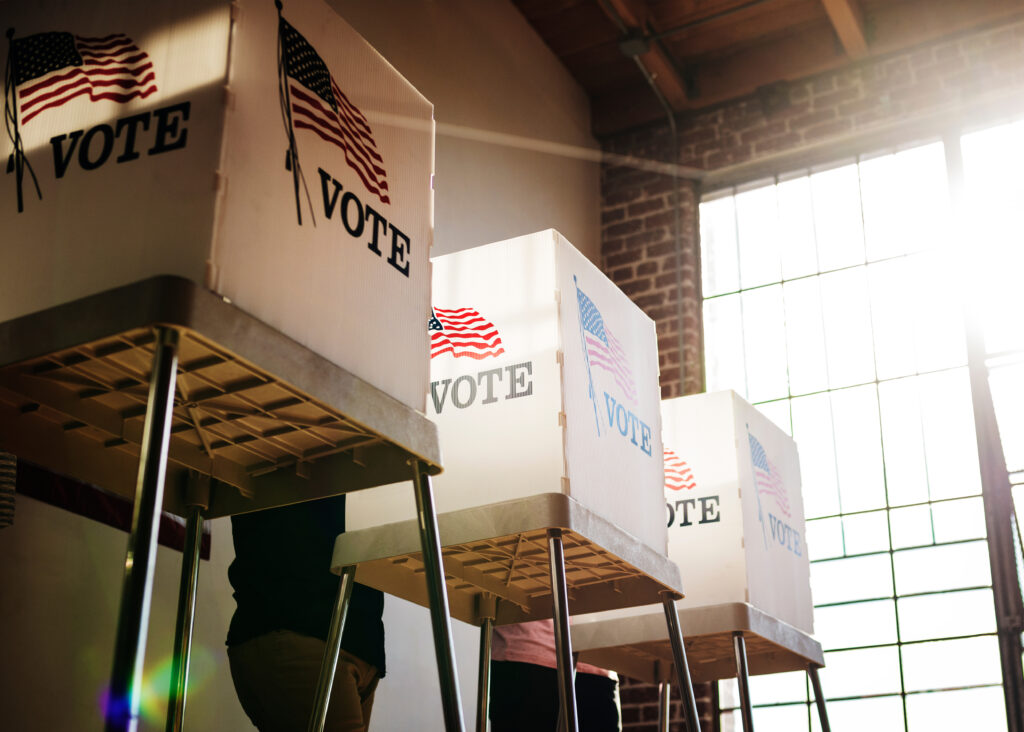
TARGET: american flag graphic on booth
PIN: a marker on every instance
(767, 478)
(50, 69)
(678, 475)
(320, 106)
(464, 333)
(603, 349)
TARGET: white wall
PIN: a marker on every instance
(499, 94)
(60, 588)
(511, 126)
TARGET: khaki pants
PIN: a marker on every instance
(275, 676)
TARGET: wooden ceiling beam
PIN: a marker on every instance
(848, 20)
(636, 15)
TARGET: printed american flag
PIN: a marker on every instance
(603, 349)
(51, 69)
(767, 478)
(678, 475)
(319, 105)
(464, 333)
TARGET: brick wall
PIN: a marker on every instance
(972, 79)
(639, 252)
(640, 707)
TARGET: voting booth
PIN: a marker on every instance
(735, 511)
(544, 388)
(217, 216)
(269, 155)
(736, 526)
(543, 379)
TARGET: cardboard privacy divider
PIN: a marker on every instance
(734, 509)
(270, 155)
(544, 379)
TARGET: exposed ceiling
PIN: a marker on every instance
(696, 53)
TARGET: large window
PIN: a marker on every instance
(834, 301)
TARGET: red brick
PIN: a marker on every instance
(646, 301)
(837, 97)
(635, 287)
(625, 227)
(785, 142)
(621, 274)
(647, 268)
(662, 249)
(664, 218)
(666, 280)
(798, 92)
(617, 260)
(661, 313)
(619, 197)
(664, 184)
(698, 134)
(642, 239)
(728, 157)
(793, 110)
(643, 207)
(823, 84)
(858, 106)
(901, 63)
(812, 118)
(610, 216)
(828, 129)
(610, 246)
(940, 70)
(760, 133)
(650, 712)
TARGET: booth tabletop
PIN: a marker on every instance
(500, 551)
(268, 419)
(638, 645)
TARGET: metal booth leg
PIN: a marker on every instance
(137, 588)
(675, 635)
(743, 677)
(487, 610)
(664, 705)
(197, 498)
(563, 643)
(331, 650)
(819, 698)
(437, 593)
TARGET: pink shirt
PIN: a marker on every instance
(532, 642)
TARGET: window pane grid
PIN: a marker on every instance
(883, 552)
(871, 376)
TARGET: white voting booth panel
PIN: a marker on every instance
(734, 509)
(544, 379)
(278, 160)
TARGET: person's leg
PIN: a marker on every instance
(275, 676)
(523, 697)
(597, 703)
(355, 683)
